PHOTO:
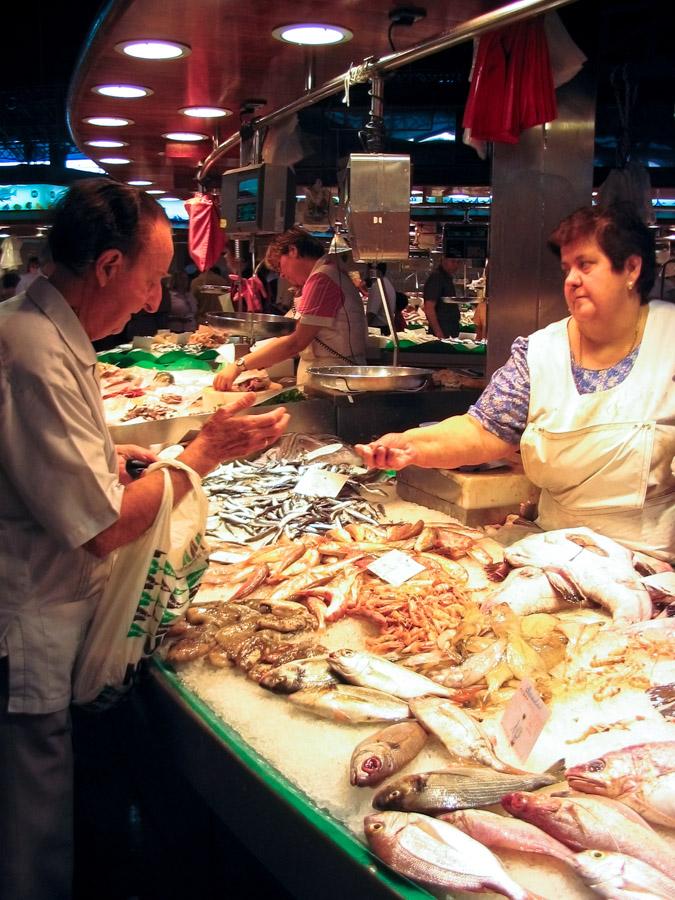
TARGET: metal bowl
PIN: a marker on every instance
(252, 325)
(367, 378)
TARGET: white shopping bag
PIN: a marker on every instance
(152, 583)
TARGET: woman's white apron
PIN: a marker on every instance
(605, 459)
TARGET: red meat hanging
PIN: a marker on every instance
(206, 238)
(512, 85)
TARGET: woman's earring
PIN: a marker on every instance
(630, 285)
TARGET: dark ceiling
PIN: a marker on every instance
(628, 43)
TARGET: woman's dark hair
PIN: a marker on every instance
(620, 233)
(97, 215)
(304, 243)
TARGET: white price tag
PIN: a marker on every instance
(395, 567)
(319, 483)
(524, 718)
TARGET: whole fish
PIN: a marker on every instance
(299, 675)
(437, 854)
(506, 833)
(338, 596)
(460, 733)
(584, 565)
(385, 753)
(348, 703)
(317, 575)
(526, 590)
(593, 823)
(457, 788)
(475, 667)
(620, 877)
(642, 776)
(369, 670)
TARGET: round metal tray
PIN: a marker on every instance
(368, 378)
(258, 325)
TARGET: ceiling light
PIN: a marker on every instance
(114, 160)
(155, 191)
(139, 183)
(6, 163)
(205, 112)
(107, 145)
(108, 121)
(312, 33)
(185, 136)
(124, 91)
(171, 199)
(153, 49)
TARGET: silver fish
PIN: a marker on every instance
(620, 877)
(385, 753)
(436, 853)
(369, 670)
(457, 788)
(475, 667)
(582, 564)
(460, 733)
(347, 703)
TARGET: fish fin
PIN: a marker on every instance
(558, 768)
(562, 582)
(497, 571)
(587, 543)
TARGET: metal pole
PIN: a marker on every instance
(472, 28)
(387, 315)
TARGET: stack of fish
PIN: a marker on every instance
(602, 839)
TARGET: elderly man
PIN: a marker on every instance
(64, 507)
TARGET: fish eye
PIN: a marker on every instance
(395, 794)
(372, 764)
(597, 854)
(596, 766)
(375, 826)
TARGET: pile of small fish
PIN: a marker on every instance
(432, 828)
(256, 503)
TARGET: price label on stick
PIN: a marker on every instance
(395, 567)
(524, 718)
(318, 482)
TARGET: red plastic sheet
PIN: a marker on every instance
(206, 239)
(248, 294)
(512, 85)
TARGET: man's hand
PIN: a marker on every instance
(126, 452)
(227, 436)
(391, 451)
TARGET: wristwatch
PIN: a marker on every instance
(240, 363)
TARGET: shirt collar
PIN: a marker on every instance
(54, 305)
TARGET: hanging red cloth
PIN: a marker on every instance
(512, 85)
(206, 238)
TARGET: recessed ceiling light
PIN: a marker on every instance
(184, 136)
(153, 49)
(155, 191)
(171, 199)
(114, 160)
(107, 145)
(108, 121)
(205, 112)
(139, 183)
(123, 91)
(312, 33)
(6, 163)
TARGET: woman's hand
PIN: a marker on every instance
(391, 451)
(225, 377)
(125, 452)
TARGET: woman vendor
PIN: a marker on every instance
(331, 323)
(588, 400)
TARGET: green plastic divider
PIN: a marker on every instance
(323, 822)
(172, 359)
